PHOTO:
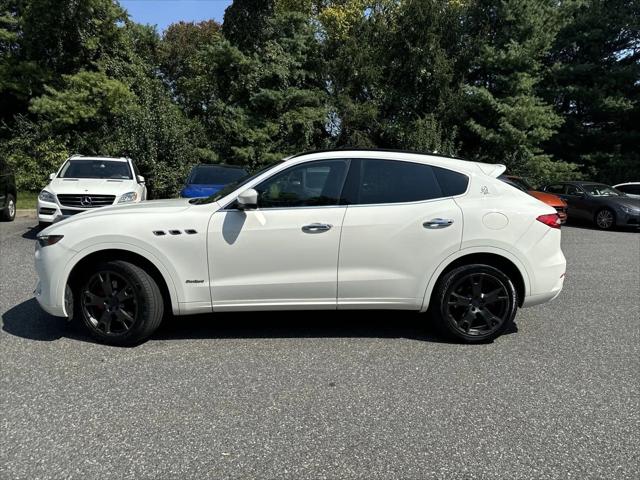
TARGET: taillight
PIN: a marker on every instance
(550, 220)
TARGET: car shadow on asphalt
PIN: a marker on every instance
(32, 232)
(27, 320)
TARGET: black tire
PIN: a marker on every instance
(9, 212)
(605, 219)
(475, 303)
(119, 303)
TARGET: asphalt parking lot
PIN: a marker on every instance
(330, 395)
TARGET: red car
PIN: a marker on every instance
(552, 200)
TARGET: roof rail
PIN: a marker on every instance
(76, 155)
(390, 150)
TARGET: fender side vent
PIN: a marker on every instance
(190, 231)
(175, 232)
(159, 233)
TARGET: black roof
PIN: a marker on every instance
(223, 165)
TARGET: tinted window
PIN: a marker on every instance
(572, 190)
(215, 175)
(390, 181)
(452, 183)
(310, 184)
(632, 189)
(554, 188)
(96, 169)
(601, 190)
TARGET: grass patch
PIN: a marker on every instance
(27, 200)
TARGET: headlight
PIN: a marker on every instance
(630, 210)
(46, 240)
(46, 196)
(128, 197)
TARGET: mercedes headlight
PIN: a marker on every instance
(128, 197)
(46, 196)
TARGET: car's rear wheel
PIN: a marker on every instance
(605, 219)
(119, 302)
(477, 303)
(9, 212)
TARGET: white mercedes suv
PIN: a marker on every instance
(84, 183)
(346, 229)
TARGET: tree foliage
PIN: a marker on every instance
(549, 88)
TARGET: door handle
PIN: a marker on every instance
(316, 228)
(438, 223)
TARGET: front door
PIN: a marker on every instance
(578, 203)
(284, 254)
(397, 230)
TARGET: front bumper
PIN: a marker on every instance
(50, 212)
(51, 287)
(625, 219)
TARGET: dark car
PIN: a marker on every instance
(205, 180)
(598, 203)
(8, 194)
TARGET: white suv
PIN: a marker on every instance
(85, 183)
(327, 230)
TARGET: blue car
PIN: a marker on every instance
(205, 180)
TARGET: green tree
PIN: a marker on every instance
(504, 120)
(247, 23)
(594, 84)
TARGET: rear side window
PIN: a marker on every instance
(452, 183)
(632, 189)
(392, 181)
(554, 188)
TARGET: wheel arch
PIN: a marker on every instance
(502, 260)
(139, 258)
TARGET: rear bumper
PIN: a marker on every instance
(545, 297)
(546, 264)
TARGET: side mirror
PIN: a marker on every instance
(52, 176)
(248, 200)
(140, 178)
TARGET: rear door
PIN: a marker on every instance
(398, 227)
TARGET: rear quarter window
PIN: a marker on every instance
(452, 183)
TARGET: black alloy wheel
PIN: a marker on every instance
(605, 219)
(119, 302)
(110, 303)
(477, 302)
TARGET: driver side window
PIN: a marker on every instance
(309, 184)
(572, 190)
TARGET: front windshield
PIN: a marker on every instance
(96, 169)
(215, 175)
(601, 190)
(223, 192)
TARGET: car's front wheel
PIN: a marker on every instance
(476, 303)
(119, 302)
(605, 219)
